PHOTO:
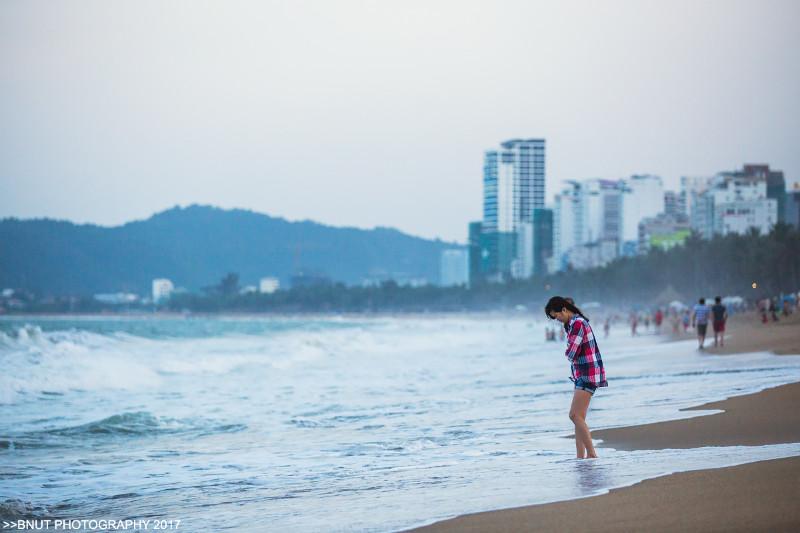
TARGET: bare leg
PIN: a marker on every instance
(577, 413)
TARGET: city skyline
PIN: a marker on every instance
(353, 114)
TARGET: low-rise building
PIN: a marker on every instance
(454, 267)
(663, 231)
(162, 289)
(268, 285)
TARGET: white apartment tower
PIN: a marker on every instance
(513, 184)
(643, 197)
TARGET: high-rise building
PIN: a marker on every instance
(740, 204)
(776, 184)
(513, 187)
(567, 223)
(602, 210)
(674, 204)
(587, 214)
(735, 202)
(454, 267)
(643, 197)
(513, 178)
(542, 240)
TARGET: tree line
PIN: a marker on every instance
(725, 265)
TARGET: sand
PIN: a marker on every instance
(771, 416)
(745, 333)
(762, 496)
(753, 497)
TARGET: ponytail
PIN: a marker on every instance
(557, 303)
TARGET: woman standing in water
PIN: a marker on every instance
(587, 367)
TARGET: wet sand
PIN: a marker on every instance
(771, 416)
(753, 497)
(760, 496)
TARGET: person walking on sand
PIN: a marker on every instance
(659, 318)
(586, 367)
(720, 313)
(700, 318)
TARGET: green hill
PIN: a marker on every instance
(196, 246)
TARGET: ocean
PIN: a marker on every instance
(333, 423)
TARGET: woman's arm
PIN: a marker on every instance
(574, 340)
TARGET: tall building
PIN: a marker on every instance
(643, 197)
(513, 187)
(776, 184)
(735, 202)
(513, 178)
(567, 224)
(674, 204)
(587, 223)
(696, 204)
(542, 240)
(454, 267)
(602, 210)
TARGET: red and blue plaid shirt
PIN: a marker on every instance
(583, 353)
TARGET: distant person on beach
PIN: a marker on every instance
(634, 322)
(586, 367)
(700, 318)
(658, 319)
(720, 313)
(607, 326)
(676, 321)
(686, 320)
(773, 306)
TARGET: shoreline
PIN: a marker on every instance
(759, 496)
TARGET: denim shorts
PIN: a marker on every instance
(582, 384)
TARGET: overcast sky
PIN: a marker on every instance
(377, 113)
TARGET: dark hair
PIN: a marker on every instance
(718, 299)
(701, 301)
(557, 303)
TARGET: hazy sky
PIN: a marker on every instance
(378, 113)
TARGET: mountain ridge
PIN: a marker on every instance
(196, 245)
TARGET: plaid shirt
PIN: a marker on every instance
(583, 353)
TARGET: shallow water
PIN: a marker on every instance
(334, 424)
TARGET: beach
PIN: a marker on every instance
(760, 496)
